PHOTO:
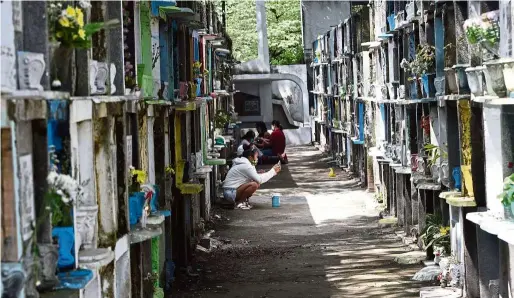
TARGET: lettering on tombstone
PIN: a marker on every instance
(27, 196)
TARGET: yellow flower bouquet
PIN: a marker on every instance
(71, 32)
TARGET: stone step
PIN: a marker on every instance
(410, 258)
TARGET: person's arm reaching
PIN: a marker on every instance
(261, 178)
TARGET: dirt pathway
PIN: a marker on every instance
(322, 242)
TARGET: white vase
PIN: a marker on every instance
(475, 80)
(451, 80)
(495, 72)
(410, 9)
(86, 219)
(508, 76)
(101, 78)
(93, 70)
(113, 76)
(401, 92)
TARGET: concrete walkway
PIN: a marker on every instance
(323, 241)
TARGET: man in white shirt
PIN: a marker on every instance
(242, 179)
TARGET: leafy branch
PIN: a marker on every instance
(434, 152)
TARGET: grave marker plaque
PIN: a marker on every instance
(27, 196)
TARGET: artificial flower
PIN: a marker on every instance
(82, 33)
(80, 18)
(444, 230)
(70, 12)
(64, 21)
(59, 34)
(75, 36)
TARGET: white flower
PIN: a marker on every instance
(65, 199)
(52, 176)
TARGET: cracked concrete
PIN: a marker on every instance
(324, 241)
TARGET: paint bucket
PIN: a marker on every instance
(275, 200)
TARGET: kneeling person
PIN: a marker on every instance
(242, 179)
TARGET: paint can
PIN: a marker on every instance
(275, 200)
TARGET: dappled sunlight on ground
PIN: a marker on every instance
(323, 241)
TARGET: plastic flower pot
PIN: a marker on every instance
(66, 240)
(461, 78)
(475, 82)
(427, 81)
(198, 86)
(457, 178)
(136, 202)
(451, 81)
(391, 22)
(494, 78)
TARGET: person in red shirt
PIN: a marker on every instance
(276, 145)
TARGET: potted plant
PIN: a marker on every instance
(63, 192)
(435, 234)
(507, 196)
(199, 74)
(485, 32)
(221, 119)
(136, 196)
(67, 28)
(434, 154)
(422, 68)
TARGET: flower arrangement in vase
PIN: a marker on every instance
(136, 196)
(68, 29)
(435, 234)
(422, 68)
(221, 119)
(484, 31)
(63, 192)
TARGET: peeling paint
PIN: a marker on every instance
(465, 142)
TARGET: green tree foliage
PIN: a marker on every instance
(284, 30)
(240, 18)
